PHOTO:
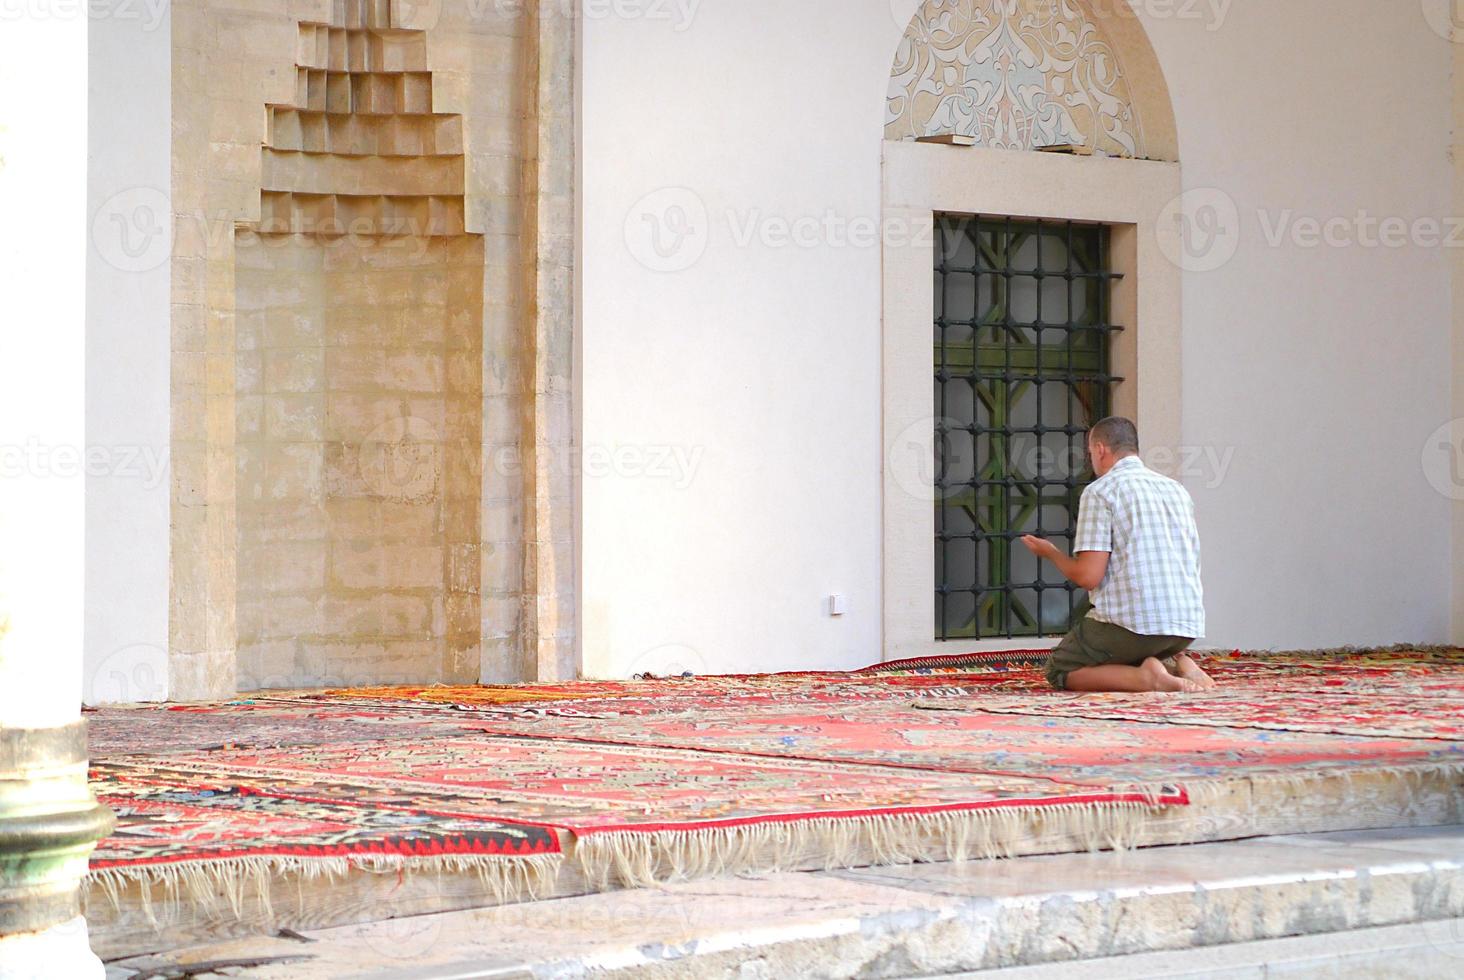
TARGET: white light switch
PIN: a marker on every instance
(838, 605)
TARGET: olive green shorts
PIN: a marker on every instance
(1094, 644)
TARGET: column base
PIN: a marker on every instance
(60, 951)
(49, 825)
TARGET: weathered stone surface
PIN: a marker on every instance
(921, 920)
(291, 353)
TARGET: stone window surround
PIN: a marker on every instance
(921, 180)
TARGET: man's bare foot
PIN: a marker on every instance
(1191, 671)
(1162, 681)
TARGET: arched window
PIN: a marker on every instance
(1053, 276)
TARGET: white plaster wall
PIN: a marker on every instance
(1324, 369)
(763, 360)
(42, 174)
(127, 355)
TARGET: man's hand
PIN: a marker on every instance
(1042, 548)
(1085, 569)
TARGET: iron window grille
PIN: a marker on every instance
(1022, 371)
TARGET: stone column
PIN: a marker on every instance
(49, 822)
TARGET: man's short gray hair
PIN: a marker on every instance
(1119, 434)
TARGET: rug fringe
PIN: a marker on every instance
(216, 885)
(1415, 778)
(639, 859)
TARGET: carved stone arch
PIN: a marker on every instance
(1021, 74)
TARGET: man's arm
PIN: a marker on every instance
(1085, 570)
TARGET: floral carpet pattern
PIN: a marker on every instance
(1071, 748)
(700, 774)
(167, 814)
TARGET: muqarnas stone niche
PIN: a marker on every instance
(359, 305)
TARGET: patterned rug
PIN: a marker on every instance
(645, 781)
(595, 699)
(115, 732)
(501, 805)
(1070, 748)
(1340, 713)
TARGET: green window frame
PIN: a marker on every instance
(1023, 339)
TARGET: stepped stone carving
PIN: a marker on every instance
(358, 305)
(360, 150)
(369, 406)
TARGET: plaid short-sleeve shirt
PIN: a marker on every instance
(1146, 522)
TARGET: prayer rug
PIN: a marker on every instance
(640, 781)
(475, 694)
(1340, 713)
(966, 663)
(1070, 749)
(611, 699)
(485, 801)
(114, 732)
(211, 831)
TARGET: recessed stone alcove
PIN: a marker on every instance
(372, 311)
(358, 303)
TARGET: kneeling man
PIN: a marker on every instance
(1137, 552)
